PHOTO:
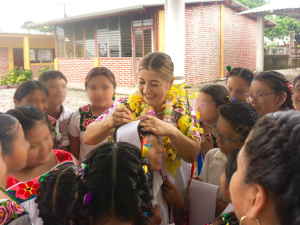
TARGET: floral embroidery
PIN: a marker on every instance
(24, 191)
(53, 126)
(86, 117)
(10, 211)
(28, 189)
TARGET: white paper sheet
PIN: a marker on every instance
(129, 133)
(203, 197)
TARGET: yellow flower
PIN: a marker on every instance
(184, 123)
(198, 115)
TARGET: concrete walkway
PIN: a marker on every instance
(120, 90)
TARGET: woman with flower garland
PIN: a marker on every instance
(161, 112)
(100, 85)
(41, 158)
(13, 155)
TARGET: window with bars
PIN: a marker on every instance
(114, 37)
(41, 55)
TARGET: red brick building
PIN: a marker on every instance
(215, 36)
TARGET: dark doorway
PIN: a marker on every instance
(18, 58)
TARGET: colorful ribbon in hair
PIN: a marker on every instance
(229, 70)
(288, 86)
(144, 151)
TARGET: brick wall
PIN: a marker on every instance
(240, 40)
(36, 68)
(75, 69)
(202, 44)
(4, 61)
(121, 68)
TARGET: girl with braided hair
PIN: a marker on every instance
(114, 188)
(265, 187)
(270, 92)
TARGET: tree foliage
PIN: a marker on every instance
(44, 29)
(283, 28)
(253, 3)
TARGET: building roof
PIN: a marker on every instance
(141, 8)
(287, 7)
(25, 32)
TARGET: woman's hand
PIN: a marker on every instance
(119, 117)
(156, 126)
(172, 196)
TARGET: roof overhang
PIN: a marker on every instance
(144, 8)
(289, 8)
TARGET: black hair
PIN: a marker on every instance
(295, 81)
(241, 116)
(27, 87)
(229, 219)
(28, 116)
(278, 83)
(218, 92)
(119, 186)
(51, 75)
(244, 73)
(272, 160)
(54, 196)
(100, 71)
(8, 132)
(231, 165)
(139, 130)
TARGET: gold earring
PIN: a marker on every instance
(244, 217)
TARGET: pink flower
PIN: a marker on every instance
(5, 214)
(84, 116)
(15, 207)
(86, 108)
(90, 114)
(100, 118)
(52, 120)
(86, 122)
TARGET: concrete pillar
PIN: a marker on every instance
(175, 38)
(26, 53)
(260, 44)
(292, 44)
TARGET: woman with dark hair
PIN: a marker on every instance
(13, 155)
(265, 187)
(41, 158)
(270, 92)
(238, 83)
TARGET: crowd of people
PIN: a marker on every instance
(131, 161)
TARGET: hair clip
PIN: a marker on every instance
(81, 170)
(55, 169)
(145, 167)
(229, 98)
(229, 70)
(87, 198)
(288, 86)
(145, 147)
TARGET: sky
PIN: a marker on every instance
(15, 12)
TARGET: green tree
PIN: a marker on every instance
(44, 29)
(253, 3)
(283, 28)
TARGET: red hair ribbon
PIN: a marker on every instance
(229, 72)
(288, 86)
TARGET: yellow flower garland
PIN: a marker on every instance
(138, 106)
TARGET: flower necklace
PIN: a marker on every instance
(138, 107)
